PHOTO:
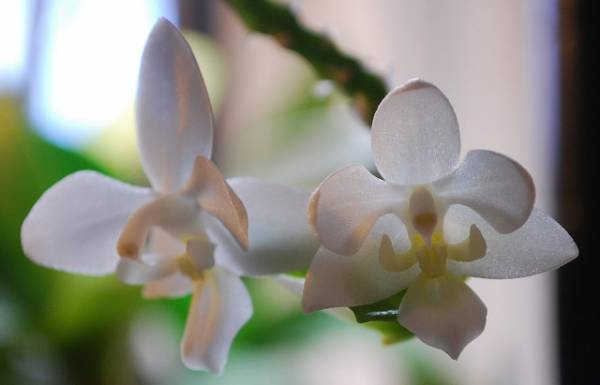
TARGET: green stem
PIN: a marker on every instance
(365, 88)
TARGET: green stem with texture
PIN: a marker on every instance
(365, 88)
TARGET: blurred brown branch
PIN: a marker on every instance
(365, 88)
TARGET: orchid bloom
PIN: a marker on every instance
(189, 232)
(428, 224)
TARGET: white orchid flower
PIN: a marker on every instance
(428, 224)
(189, 232)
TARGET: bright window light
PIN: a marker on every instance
(87, 70)
(13, 41)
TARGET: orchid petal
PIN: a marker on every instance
(295, 285)
(348, 203)
(216, 197)
(471, 249)
(334, 280)
(495, 186)
(171, 286)
(176, 214)
(540, 245)
(174, 116)
(415, 137)
(443, 312)
(162, 245)
(280, 238)
(75, 224)
(220, 307)
(392, 261)
(135, 272)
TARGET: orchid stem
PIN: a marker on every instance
(365, 88)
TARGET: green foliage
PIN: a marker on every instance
(66, 313)
(28, 166)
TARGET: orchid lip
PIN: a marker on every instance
(174, 213)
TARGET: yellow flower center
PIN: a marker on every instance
(188, 268)
(432, 257)
(428, 245)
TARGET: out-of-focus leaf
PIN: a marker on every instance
(57, 303)
(422, 371)
(28, 166)
(79, 305)
(277, 317)
(80, 317)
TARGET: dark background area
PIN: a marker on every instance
(579, 281)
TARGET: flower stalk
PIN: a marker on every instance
(365, 88)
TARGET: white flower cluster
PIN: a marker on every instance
(424, 228)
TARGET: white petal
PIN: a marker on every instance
(495, 186)
(176, 214)
(295, 285)
(334, 280)
(74, 226)
(172, 286)
(162, 245)
(134, 272)
(348, 203)
(540, 245)
(415, 137)
(279, 236)
(393, 261)
(220, 307)
(443, 312)
(174, 116)
(215, 196)
(471, 249)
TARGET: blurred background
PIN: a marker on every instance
(521, 75)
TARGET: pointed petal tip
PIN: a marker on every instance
(163, 25)
(574, 251)
(454, 354)
(127, 249)
(163, 29)
(192, 363)
(311, 307)
(244, 241)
